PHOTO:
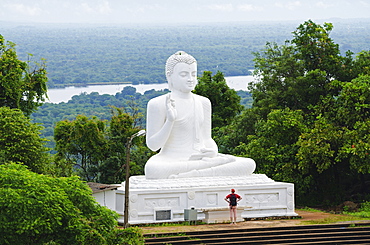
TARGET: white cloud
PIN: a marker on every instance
(85, 7)
(102, 7)
(23, 9)
(289, 5)
(147, 9)
(323, 5)
(221, 7)
(364, 3)
(249, 7)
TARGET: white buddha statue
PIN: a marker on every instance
(179, 125)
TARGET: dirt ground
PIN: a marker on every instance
(303, 219)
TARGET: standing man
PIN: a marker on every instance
(233, 200)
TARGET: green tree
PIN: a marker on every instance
(335, 151)
(82, 142)
(307, 81)
(225, 101)
(20, 141)
(274, 147)
(122, 126)
(20, 86)
(39, 209)
(317, 157)
(316, 50)
(120, 130)
(236, 133)
(97, 152)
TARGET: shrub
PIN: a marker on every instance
(39, 209)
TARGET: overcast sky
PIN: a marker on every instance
(175, 11)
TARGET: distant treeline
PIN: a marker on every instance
(101, 54)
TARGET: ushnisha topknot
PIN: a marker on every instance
(178, 57)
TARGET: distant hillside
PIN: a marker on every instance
(87, 54)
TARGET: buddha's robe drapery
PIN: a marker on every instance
(191, 132)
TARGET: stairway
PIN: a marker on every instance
(354, 233)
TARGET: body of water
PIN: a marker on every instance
(65, 94)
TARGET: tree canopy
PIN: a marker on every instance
(225, 101)
(20, 141)
(310, 116)
(96, 149)
(21, 86)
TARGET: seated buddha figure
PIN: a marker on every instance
(179, 126)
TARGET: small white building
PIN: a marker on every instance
(104, 194)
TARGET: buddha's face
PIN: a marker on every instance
(184, 77)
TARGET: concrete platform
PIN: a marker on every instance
(164, 200)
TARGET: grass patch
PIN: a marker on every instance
(167, 235)
(308, 209)
(172, 224)
(332, 219)
(170, 227)
(363, 212)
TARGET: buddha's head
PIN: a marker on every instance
(181, 68)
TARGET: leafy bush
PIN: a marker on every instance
(20, 141)
(128, 236)
(363, 212)
(39, 209)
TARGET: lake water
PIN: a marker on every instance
(65, 94)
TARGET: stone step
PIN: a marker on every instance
(314, 234)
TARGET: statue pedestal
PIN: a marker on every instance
(164, 200)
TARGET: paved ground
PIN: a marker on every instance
(305, 218)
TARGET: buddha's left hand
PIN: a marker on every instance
(204, 152)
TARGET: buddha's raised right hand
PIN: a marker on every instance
(171, 110)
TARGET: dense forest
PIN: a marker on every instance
(90, 54)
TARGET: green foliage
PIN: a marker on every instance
(316, 49)
(245, 98)
(122, 127)
(363, 212)
(82, 142)
(129, 236)
(38, 209)
(296, 75)
(20, 141)
(225, 101)
(230, 137)
(365, 207)
(96, 151)
(309, 123)
(273, 145)
(318, 146)
(20, 87)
